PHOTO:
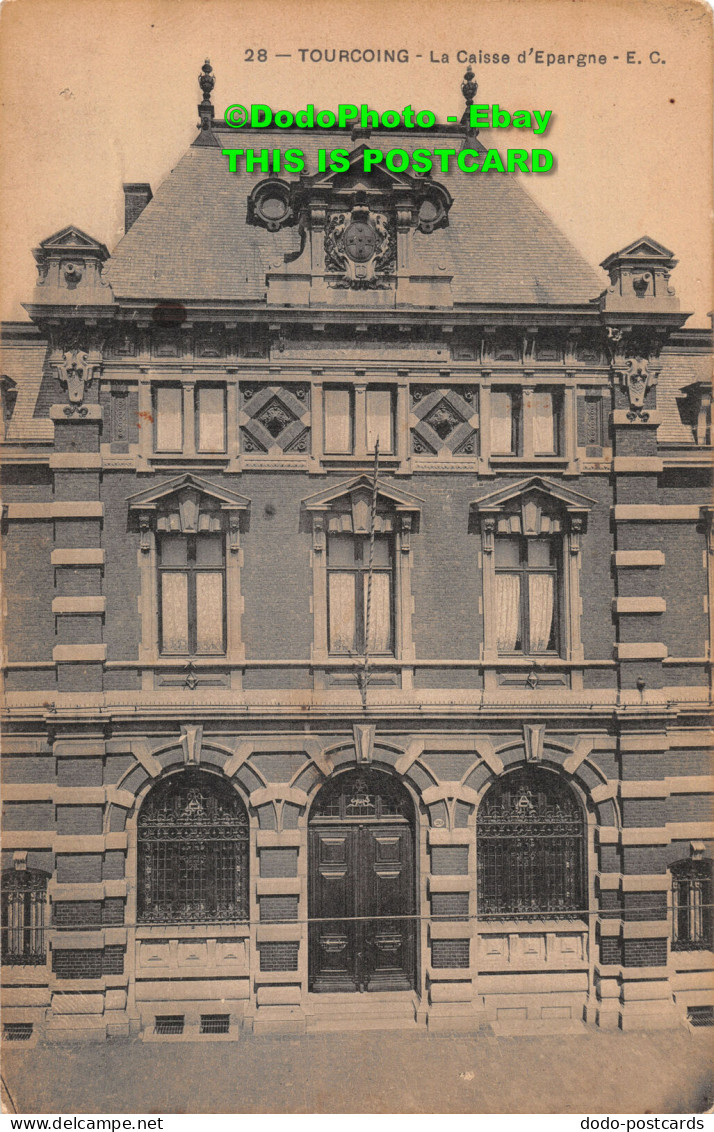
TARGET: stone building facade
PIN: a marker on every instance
(301, 737)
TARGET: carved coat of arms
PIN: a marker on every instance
(360, 245)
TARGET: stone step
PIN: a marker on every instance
(318, 1023)
(397, 1004)
(536, 1026)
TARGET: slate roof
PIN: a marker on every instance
(678, 370)
(25, 363)
(192, 242)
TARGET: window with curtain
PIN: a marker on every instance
(192, 594)
(354, 430)
(350, 603)
(24, 897)
(192, 836)
(210, 418)
(525, 422)
(168, 418)
(530, 846)
(692, 919)
(505, 422)
(338, 406)
(380, 420)
(527, 588)
(175, 434)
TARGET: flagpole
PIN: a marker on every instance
(370, 570)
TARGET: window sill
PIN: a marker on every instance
(696, 959)
(532, 926)
(220, 930)
(527, 461)
(366, 461)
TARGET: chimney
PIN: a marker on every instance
(136, 198)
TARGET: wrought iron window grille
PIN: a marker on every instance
(692, 920)
(215, 1023)
(359, 795)
(193, 841)
(530, 848)
(24, 898)
(168, 1024)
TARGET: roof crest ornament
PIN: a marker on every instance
(206, 81)
(468, 88)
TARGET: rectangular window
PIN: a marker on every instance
(192, 594)
(505, 422)
(339, 421)
(380, 420)
(23, 917)
(692, 916)
(545, 424)
(526, 595)
(355, 424)
(525, 423)
(353, 604)
(210, 415)
(168, 418)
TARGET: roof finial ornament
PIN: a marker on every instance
(206, 81)
(468, 88)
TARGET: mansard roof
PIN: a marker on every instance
(192, 242)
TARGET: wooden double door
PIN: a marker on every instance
(362, 900)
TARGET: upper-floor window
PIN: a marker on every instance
(190, 419)
(192, 594)
(356, 419)
(24, 897)
(531, 534)
(692, 919)
(526, 422)
(526, 594)
(360, 600)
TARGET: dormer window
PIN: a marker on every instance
(8, 393)
(696, 410)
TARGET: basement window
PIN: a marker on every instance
(168, 1024)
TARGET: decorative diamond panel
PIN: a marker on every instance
(444, 422)
(275, 419)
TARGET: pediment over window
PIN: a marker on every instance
(347, 508)
(532, 507)
(188, 504)
(354, 497)
(210, 494)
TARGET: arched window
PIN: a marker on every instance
(692, 905)
(530, 846)
(193, 852)
(24, 895)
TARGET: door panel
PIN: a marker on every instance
(388, 890)
(359, 871)
(332, 945)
